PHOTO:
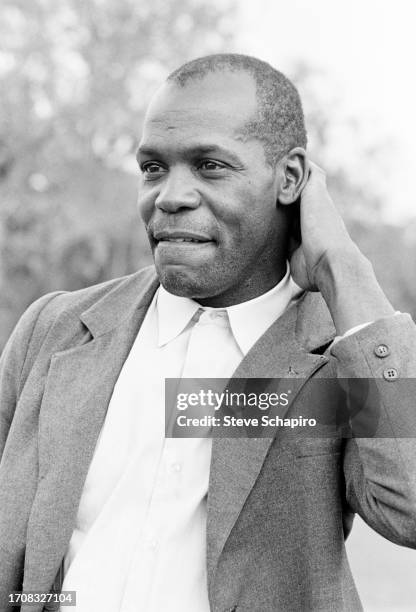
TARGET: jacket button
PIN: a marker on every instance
(382, 350)
(390, 374)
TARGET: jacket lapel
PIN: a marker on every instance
(284, 351)
(78, 389)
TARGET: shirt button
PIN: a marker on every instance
(390, 374)
(153, 544)
(382, 350)
(176, 467)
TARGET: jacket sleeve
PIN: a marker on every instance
(380, 472)
(14, 363)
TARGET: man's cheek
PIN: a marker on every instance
(145, 206)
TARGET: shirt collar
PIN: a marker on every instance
(248, 320)
(174, 313)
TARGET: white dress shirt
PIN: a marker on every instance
(139, 541)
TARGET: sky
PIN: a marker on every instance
(367, 49)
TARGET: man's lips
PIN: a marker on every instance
(182, 247)
(181, 237)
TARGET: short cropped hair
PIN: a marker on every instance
(279, 122)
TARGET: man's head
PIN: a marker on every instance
(222, 155)
(278, 121)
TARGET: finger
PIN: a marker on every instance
(317, 203)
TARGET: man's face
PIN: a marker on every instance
(207, 195)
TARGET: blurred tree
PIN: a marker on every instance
(76, 76)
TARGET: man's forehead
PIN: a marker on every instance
(179, 134)
(194, 120)
(216, 96)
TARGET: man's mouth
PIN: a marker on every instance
(179, 237)
(182, 240)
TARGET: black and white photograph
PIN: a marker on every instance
(207, 306)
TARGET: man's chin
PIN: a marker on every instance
(181, 282)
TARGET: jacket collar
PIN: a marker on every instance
(314, 325)
(121, 303)
(308, 318)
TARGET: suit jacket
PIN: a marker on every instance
(279, 508)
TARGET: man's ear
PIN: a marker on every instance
(293, 172)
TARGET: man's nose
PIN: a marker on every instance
(177, 191)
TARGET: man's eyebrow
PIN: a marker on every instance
(143, 150)
(192, 151)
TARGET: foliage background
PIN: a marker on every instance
(75, 78)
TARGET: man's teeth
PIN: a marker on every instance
(181, 240)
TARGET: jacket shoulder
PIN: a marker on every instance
(54, 320)
(55, 305)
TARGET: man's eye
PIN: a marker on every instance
(211, 165)
(152, 168)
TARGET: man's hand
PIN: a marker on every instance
(322, 229)
(327, 260)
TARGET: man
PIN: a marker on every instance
(87, 478)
